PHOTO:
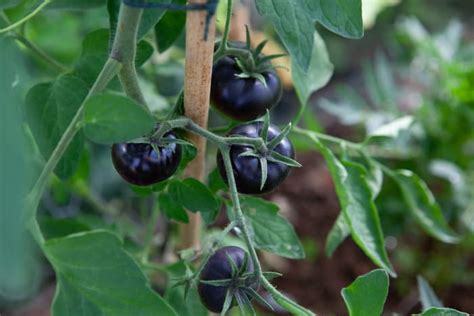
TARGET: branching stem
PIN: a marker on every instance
(26, 18)
(129, 19)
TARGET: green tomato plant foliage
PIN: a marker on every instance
(104, 263)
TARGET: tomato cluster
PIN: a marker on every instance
(243, 91)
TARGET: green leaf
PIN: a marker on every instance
(170, 27)
(294, 21)
(74, 4)
(271, 231)
(111, 118)
(95, 50)
(438, 311)
(189, 153)
(339, 231)
(172, 208)
(367, 294)
(49, 109)
(428, 297)
(95, 276)
(61, 227)
(215, 181)
(422, 205)
(374, 175)
(184, 306)
(149, 18)
(392, 129)
(355, 198)
(196, 197)
(5, 4)
(316, 76)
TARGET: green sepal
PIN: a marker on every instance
(245, 264)
(140, 140)
(259, 48)
(277, 157)
(270, 275)
(269, 58)
(255, 75)
(265, 127)
(254, 294)
(229, 297)
(275, 141)
(167, 141)
(233, 265)
(249, 153)
(156, 148)
(264, 169)
(223, 282)
(247, 303)
(248, 40)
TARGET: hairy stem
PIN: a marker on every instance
(41, 54)
(189, 125)
(357, 148)
(124, 50)
(221, 51)
(18, 36)
(239, 215)
(284, 301)
(150, 232)
(128, 24)
(108, 72)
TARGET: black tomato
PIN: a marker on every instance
(140, 164)
(247, 169)
(218, 267)
(242, 99)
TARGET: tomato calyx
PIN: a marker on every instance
(252, 62)
(241, 287)
(267, 152)
(158, 138)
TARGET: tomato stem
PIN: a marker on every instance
(357, 148)
(150, 231)
(287, 303)
(26, 18)
(221, 51)
(109, 71)
(129, 20)
(124, 50)
(238, 214)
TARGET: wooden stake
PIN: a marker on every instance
(197, 86)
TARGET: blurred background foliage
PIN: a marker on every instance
(417, 57)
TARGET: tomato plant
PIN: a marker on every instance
(160, 252)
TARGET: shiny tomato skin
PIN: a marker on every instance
(247, 170)
(219, 268)
(242, 99)
(139, 164)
